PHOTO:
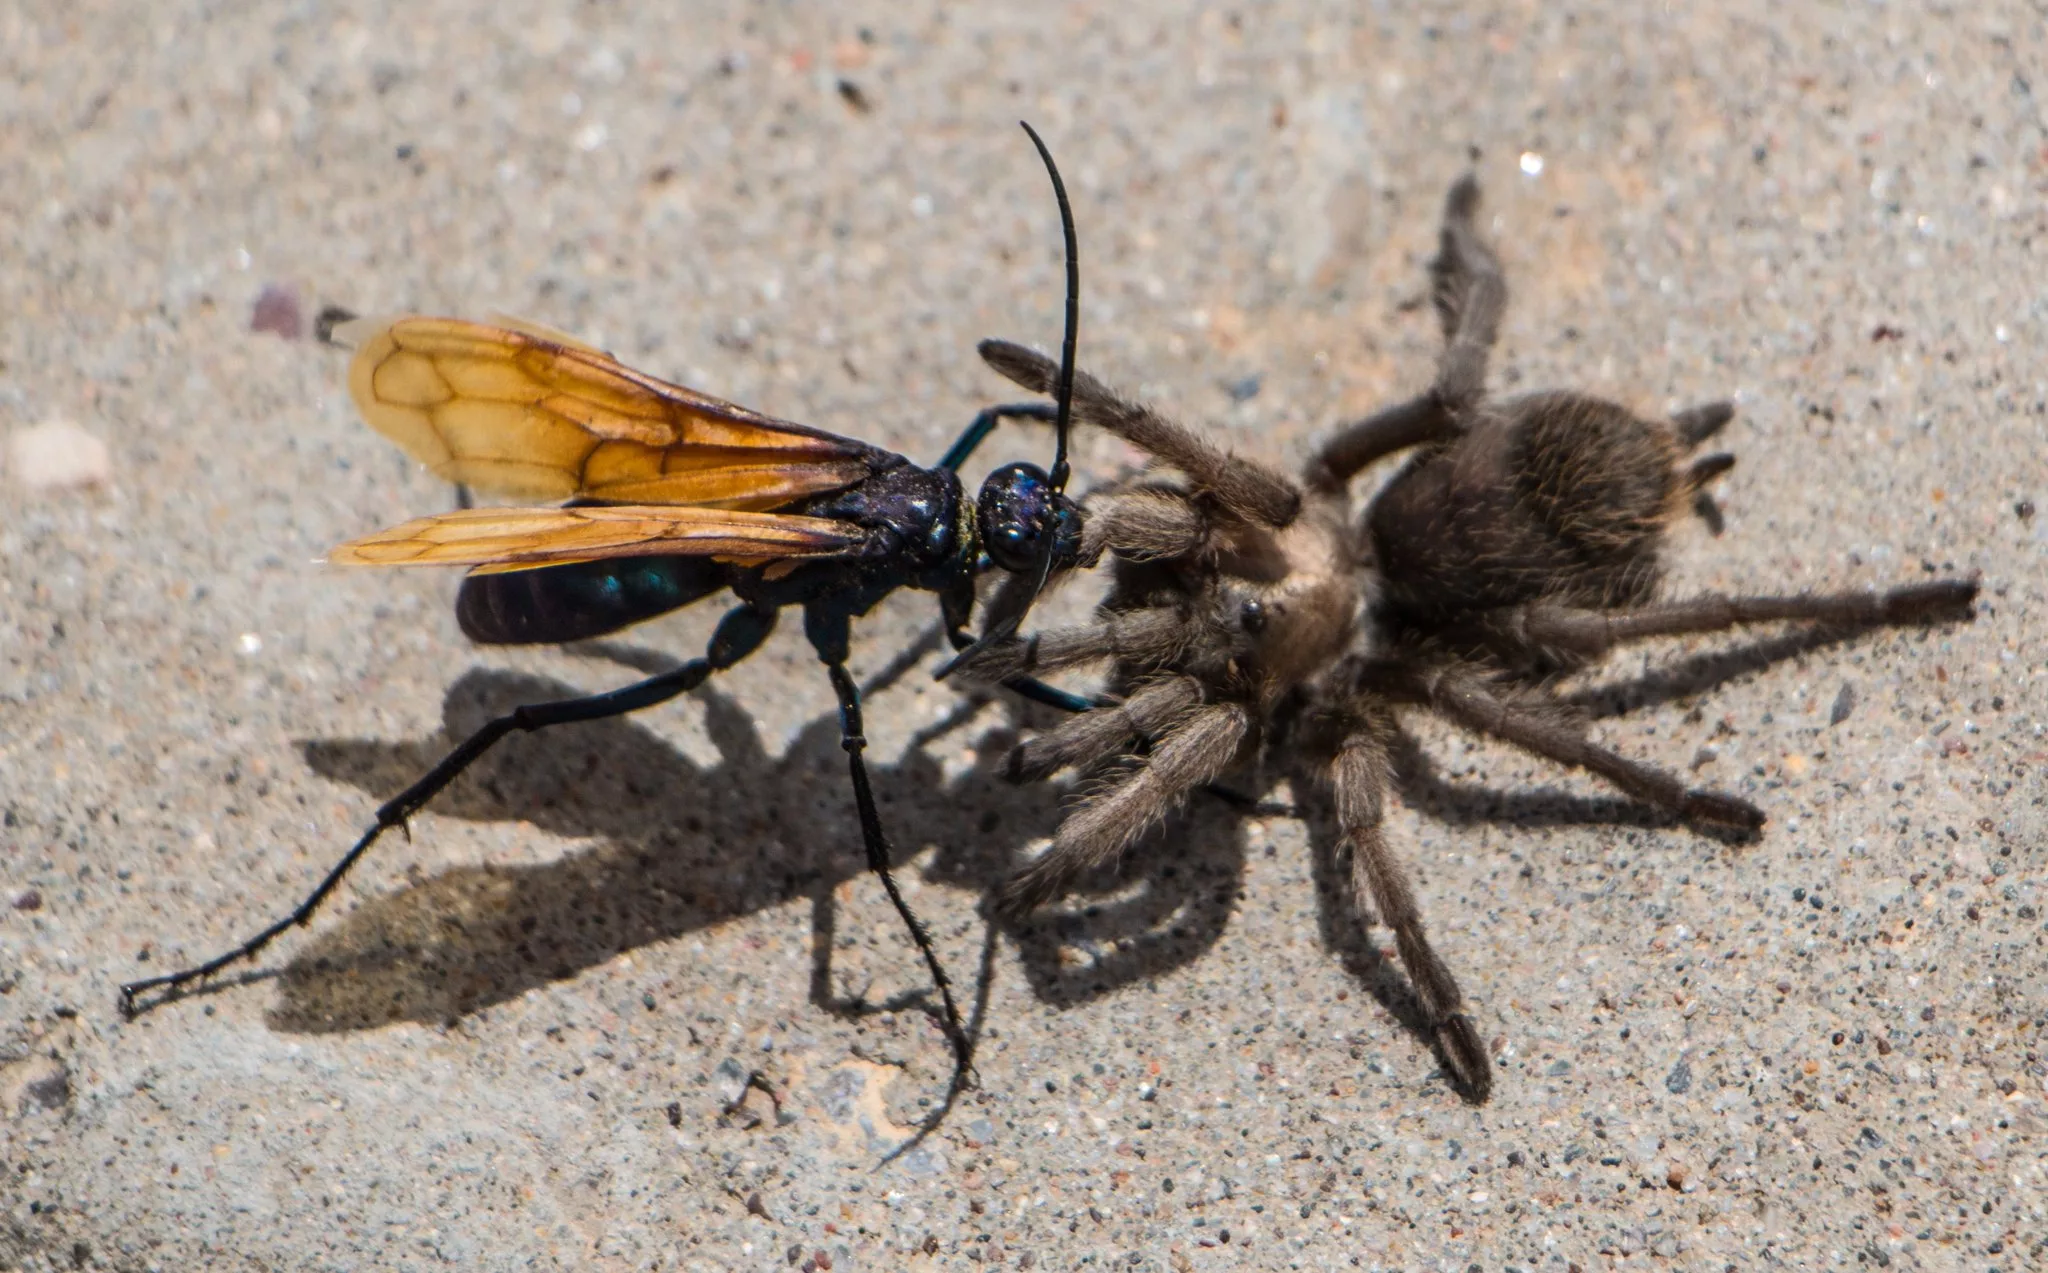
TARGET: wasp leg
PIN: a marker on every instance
(1046, 695)
(1052, 696)
(1026, 686)
(829, 630)
(956, 606)
(985, 424)
(738, 635)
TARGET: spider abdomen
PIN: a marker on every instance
(1601, 478)
(1553, 496)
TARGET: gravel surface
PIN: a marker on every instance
(512, 1040)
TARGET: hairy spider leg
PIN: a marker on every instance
(1465, 697)
(1470, 295)
(1357, 778)
(1595, 632)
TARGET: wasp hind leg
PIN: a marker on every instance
(739, 634)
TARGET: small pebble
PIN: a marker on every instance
(277, 312)
(57, 454)
(1845, 702)
(729, 1080)
(1679, 1080)
(855, 97)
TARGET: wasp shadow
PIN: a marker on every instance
(678, 847)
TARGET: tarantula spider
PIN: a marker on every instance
(1520, 541)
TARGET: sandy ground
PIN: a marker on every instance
(509, 1041)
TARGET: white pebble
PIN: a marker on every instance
(57, 454)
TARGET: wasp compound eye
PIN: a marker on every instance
(1016, 506)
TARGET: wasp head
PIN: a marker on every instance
(1018, 511)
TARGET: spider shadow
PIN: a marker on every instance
(678, 847)
(1135, 920)
(1710, 669)
(1422, 787)
(1343, 927)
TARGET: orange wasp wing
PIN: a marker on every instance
(520, 412)
(495, 540)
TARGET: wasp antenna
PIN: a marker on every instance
(1065, 391)
(1063, 420)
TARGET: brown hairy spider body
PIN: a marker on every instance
(1521, 540)
(1305, 587)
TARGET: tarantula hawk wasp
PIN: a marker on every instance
(1522, 540)
(673, 496)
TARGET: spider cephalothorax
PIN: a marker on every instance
(1521, 540)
